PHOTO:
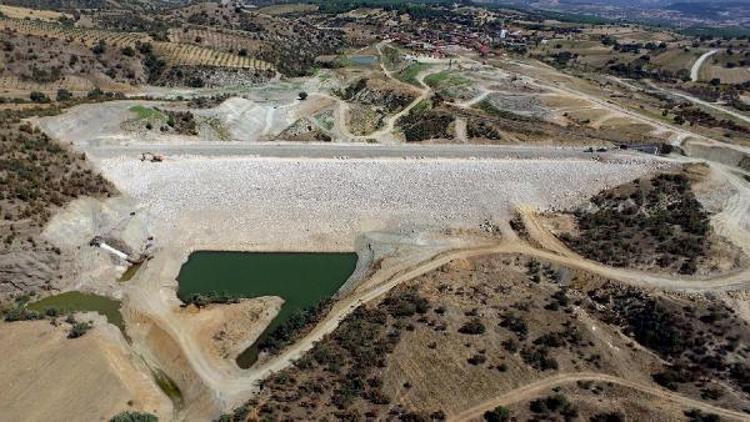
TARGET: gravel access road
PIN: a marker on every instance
(353, 151)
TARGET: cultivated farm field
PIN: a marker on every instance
(174, 52)
(221, 40)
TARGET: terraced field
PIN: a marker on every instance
(283, 9)
(220, 40)
(176, 53)
(88, 37)
(71, 83)
(193, 55)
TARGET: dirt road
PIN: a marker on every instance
(238, 389)
(735, 216)
(703, 103)
(680, 133)
(343, 308)
(232, 386)
(353, 151)
(558, 253)
(154, 294)
(530, 391)
(387, 130)
(696, 69)
(385, 134)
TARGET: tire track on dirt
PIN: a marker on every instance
(533, 389)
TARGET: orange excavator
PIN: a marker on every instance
(147, 156)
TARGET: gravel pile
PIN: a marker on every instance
(261, 199)
(526, 105)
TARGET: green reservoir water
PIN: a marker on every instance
(363, 60)
(110, 308)
(82, 302)
(301, 279)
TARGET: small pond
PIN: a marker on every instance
(82, 302)
(363, 60)
(301, 279)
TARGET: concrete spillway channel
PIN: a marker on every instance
(114, 251)
(101, 243)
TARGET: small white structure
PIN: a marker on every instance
(122, 255)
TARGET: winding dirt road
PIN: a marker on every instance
(680, 133)
(233, 387)
(384, 134)
(530, 391)
(703, 103)
(696, 69)
(237, 389)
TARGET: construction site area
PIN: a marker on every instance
(486, 201)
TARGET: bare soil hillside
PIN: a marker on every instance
(457, 338)
(48, 376)
(654, 223)
(37, 177)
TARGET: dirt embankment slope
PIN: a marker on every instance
(48, 376)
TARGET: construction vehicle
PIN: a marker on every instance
(147, 156)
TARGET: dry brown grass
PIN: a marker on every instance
(593, 398)
(285, 9)
(735, 75)
(563, 101)
(676, 59)
(24, 13)
(441, 377)
(48, 376)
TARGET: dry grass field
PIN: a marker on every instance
(677, 58)
(735, 75)
(590, 399)
(176, 54)
(33, 14)
(626, 33)
(286, 9)
(48, 376)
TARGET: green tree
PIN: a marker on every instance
(134, 417)
(39, 97)
(63, 95)
(498, 414)
(99, 48)
(128, 51)
(474, 326)
(79, 329)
